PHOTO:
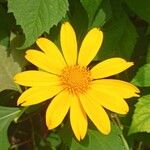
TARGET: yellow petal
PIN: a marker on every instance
(96, 113)
(37, 95)
(57, 109)
(36, 78)
(42, 61)
(90, 46)
(118, 87)
(109, 100)
(52, 52)
(110, 67)
(78, 118)
(68, 43)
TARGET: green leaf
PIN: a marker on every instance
(112, 35)
(119, 34)
(16, 40)
(141, 117)
(95, 140)
(142, 77)
(91, 8)
(7, 115)
(128, 40)
(103, 14)
(9, 67)
(98, 11)
(120, 37)
(36, 17)
(141, 8)
(54, 139)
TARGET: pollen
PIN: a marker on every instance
(75, 79)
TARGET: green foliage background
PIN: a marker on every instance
(126, 27)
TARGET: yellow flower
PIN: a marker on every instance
(73, 86)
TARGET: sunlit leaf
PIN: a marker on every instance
(38, 16)
(7, 115)
(142, 77)
(141, 117)
(8, 68)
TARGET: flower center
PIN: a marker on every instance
(75, 79)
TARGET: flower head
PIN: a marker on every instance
(73, 86)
